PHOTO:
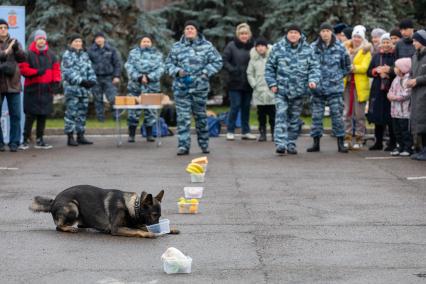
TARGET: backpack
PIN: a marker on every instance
(214, 125)
(165, 131)
(224, 118)
(169, 114)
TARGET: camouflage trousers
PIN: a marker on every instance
(335, 103)
(287, 121)
(188, 104)
(103, 86)
(75, 113)
(134, 115)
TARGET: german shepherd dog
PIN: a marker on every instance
(110, 211)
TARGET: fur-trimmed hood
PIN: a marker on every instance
(255, 55)
(365, 46)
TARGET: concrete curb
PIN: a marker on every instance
(111, 131)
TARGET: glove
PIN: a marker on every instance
(8, 68)
(41, 71)
(187, 80)
(87, 84)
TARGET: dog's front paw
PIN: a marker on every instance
(174, 232)
(148, 235)
(67, 229)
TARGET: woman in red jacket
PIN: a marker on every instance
(42, 79)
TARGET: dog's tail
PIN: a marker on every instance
(41, 204)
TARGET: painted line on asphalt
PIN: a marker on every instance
(382, 158)
(416, 178)
(8, 169)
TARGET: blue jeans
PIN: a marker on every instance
(240, 100)
(14, 106)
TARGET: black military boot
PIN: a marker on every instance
(82, 140)
(182, 151)
(316, 146)
(262, 132)
(149, 136)
(340, 145)
(71, 140)
(132, 133)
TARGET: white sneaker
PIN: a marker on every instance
(405, 154)
(248, 136)
(347, 145)
(24, 146)
(230, 136)
(357, 146)
(395, 152)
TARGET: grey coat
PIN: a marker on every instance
(262, 95)
(418, 94)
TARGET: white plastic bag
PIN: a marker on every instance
(174, 261)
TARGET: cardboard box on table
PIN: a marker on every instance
(154, 99)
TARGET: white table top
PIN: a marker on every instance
(137, 106)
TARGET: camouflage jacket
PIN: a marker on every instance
(335, 64)
(76, 67)
(144, 61)
(199, 58)
(292, 68)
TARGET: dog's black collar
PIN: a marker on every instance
(137, 207)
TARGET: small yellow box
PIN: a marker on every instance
(125, 100)
(130, 100)
(120, 100)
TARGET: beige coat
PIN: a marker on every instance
(256, 78)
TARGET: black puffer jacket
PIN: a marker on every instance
(106, 61)
(236, 57)
(404, 48)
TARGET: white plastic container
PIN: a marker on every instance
(163, 227)
(197, 178)
(172, 266)
(193, 192)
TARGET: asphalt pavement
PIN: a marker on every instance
(312, 218)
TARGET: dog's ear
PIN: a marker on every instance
(159, 196)
(147, 200)
(143, 196)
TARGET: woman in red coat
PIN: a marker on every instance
(42, 79)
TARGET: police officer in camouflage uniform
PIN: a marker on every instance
(335, 64)
(291, 69)
(78, 78)
(144, 68)
(191, 62)
(106, 62)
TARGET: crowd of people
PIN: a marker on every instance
(382, 82)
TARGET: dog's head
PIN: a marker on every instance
(150, 208)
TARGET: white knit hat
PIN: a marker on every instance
(385, 36)
(359, 30)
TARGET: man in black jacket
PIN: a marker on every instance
(107, 65)
(404, 47)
